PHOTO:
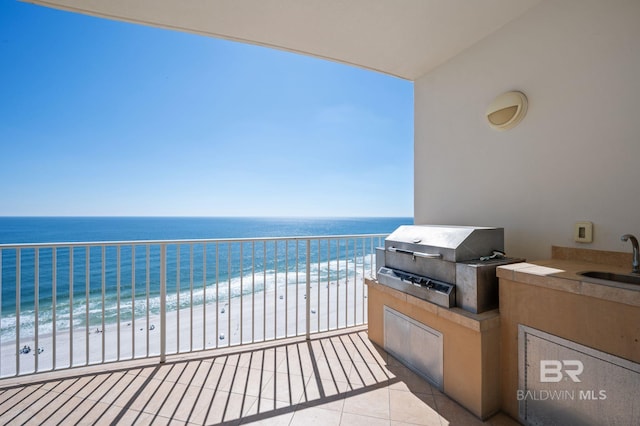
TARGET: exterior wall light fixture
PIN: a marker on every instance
(507, 110)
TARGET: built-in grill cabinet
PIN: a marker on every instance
(447, 265)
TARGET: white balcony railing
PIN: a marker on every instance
(66, 305)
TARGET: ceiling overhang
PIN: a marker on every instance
(403, 38)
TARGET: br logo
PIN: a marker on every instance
(553, 371)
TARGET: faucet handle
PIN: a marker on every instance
(636, 252)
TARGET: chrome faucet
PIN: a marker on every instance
(636, 252)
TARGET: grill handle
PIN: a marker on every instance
(415, 253)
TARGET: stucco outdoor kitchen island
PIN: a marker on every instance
(547, 310)
(470, 345)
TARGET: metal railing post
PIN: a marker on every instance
(36, 306)
(163, 303)
(308, 288)
(18, 290)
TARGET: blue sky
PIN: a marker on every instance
(105, 118)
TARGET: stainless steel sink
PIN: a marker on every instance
(610, 276)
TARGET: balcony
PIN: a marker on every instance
(331, 379)
(68, 305)
(202, 332)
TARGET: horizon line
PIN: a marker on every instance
(203, 217)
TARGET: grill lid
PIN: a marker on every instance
(450, 243)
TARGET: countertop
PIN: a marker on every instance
(562, 275)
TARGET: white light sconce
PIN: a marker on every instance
(507, 110)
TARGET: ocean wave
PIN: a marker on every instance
(137, 305)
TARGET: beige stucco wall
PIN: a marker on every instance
(576, 154)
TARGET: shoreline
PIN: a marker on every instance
(268, 319)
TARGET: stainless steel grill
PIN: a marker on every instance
(447, 265)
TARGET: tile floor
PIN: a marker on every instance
(339, 379)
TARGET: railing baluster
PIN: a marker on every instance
(328, 283)
(241, 291)
(18, 289)
(86, 305)
(217, 295)
(318, 289)
(350, 280)
(365, 288)
(204, 296)
(355, 279)
(133, 301)
(54, 272)
(308, 289)
(1, 273)
(177, 298)
(349, 283)
(118, 302)
(191, 297)
(297, 285)
(148, 278)
(103, 331)
(338, 284)
(229, 295)
(253, 291)
(275, 290)
(163, 303)
(372, 259)
(36, 305)
(286, 288)
(264, 290)
(364, 256)
(346, 282)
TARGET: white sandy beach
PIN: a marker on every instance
(264, 317)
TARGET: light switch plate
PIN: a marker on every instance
(583, 232)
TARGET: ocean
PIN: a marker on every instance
(15, 230)
(116, 281)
